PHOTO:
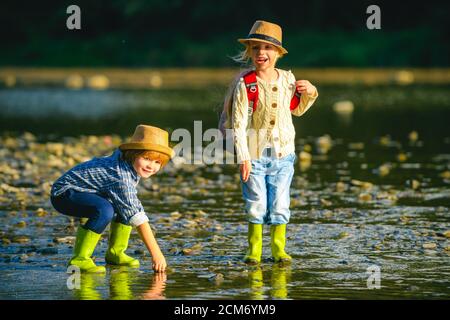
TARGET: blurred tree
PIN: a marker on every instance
(204, 33)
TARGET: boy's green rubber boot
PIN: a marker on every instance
(255, 232)
(278, 242)
(118, 243)
(85, 244)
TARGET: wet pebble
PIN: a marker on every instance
(328, 214)
(377, 246)
(402, 157)
(445, 175)
(343, 235)
(20, 239)
(174, 199)
(413, 184)
(429, 245)
(383, 170)
(187, 251)
(413, 136)
(365, 197)
(199, 213)
(217, 278)
(139, 251)
(21, 224)
(67, 240)
(404, 219)
(48, 251)
(23, 257)
(216, 227)
(341, 186)
(41, 212)
(362, 184)
(175, 215)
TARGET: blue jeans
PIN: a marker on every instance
(86, 205)
(266, 192)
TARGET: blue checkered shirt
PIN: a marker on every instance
(109, 177)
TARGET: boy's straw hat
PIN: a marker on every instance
(149, 138)
(267, 32)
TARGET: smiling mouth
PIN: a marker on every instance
(261, 60)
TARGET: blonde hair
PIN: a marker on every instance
(243, 57)
(131, 155)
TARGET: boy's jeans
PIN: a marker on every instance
(86, 205)
(266, 192)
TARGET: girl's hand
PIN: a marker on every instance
(245, 168)
(305, 86)
(159, 263)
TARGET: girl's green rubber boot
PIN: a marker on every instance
(278, 242)
(118, 244)
(255, 232)
(85, 244)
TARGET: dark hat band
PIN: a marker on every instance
(264, 37)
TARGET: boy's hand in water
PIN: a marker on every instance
(305, 86)
(159, 263)
(245, 168)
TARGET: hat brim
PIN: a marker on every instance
(148, 146)
(246, 40)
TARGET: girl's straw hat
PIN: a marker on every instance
(267, 32)
(149, 138)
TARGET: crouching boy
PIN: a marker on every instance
(104, 191)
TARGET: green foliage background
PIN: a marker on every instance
(202, 33)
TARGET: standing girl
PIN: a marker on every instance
(260, 107)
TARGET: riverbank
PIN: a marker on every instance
(145, 78)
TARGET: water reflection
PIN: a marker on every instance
(255, 279)
(344, 119)
(278, 285)
(279, 281)
(89, 287)
(121, 281)
(119, 284)
(157, 287)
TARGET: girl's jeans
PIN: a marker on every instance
(86, 205)
(266, 192)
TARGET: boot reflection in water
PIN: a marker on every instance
(279, 281)
(119, 284)
(255, 279)
(88, 284)
(158, 285)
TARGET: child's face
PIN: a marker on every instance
(264, 55)
(146, 167)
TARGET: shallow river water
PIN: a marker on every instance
(371, 192)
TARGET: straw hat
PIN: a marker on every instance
(267, 32)
(149, 138)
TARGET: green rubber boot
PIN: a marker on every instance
(85, 244)
(278, 242)
(254, 252)
(118, 244)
